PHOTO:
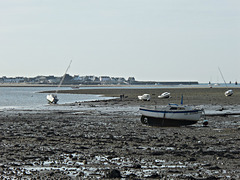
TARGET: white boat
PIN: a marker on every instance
(52, 98)
(171, 115)
(145, 97)
(164, 95)
(229, 92)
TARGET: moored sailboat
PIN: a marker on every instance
(229, 92)
(52, 98)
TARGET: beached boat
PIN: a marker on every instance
(164, 95)
(171, 115)
(145, 97)
(52, 98)
(229, 92)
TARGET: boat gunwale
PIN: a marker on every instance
(173, 111)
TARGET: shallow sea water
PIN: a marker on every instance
(29, 97)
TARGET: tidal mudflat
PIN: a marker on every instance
(105, 139)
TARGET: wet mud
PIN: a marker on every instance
(106, 139)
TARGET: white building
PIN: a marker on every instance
(105, 78)
(78, 78)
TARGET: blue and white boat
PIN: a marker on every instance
(171, 115)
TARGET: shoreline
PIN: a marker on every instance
(193, 96)
(115, 85)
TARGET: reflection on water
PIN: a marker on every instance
(29, 96)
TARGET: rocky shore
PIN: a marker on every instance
(105, 139)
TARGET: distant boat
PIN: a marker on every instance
(171, 115)
(229, 92)
(164, 95)
(52, 98)
(145, 97)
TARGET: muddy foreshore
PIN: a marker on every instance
(105, 139)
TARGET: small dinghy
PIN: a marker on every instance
(52, 98)
(145, 97)
(229, 92)
(164, 95)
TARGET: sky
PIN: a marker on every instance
(160, 40)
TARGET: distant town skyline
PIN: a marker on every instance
(149, 40)
(85, 80)
(212, 80)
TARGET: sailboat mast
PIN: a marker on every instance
(63, 77)
(222, 77)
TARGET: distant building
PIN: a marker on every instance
(77, 78)
(12, 80)
(105, 78)
(89, 78)
(52, 81)
(131, 79)
(121, 80)
(41, 79)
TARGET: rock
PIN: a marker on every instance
(154, 175)
(137, 166)
(85, 161)
(131, 176)
(192, 159)
(214, 168)
(113, 173)
(211, 178)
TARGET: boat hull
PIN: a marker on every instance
(52, 98)
(169, 118)
(164, 122)
(145, 97)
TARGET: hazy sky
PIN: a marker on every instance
(147, 39)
